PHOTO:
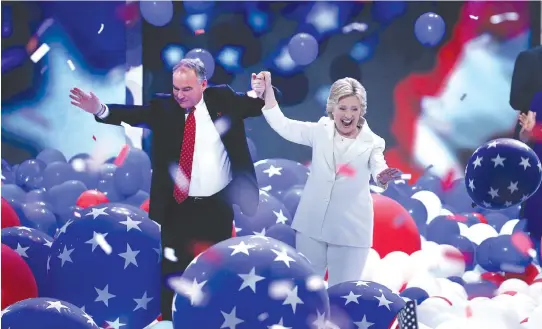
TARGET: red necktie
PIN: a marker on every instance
(182, 185)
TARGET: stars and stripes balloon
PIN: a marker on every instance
(277, 176)
(34, 247)
(270, 212)
(502, 173)
(45, 313)
(250, 282)
(363, 304)
(107, 261)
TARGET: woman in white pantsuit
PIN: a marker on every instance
(334, 219)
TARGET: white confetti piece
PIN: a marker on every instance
(70, 64)
(40, 52)
(169, 254)
(100, 240)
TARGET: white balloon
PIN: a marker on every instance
(426, 282)
(372, 263)
(162, 325)
(445, 212)
(523, 305)
(479, 232)
(433, 311)
(390, 270)
(481, 307)
(535, 291)
(516, 285)
(535, 319)
(452, 291)
(445, 265)
(508, 227)
(431, 201)
(455, 323)
(471, 277)
(418, 264)
(463, 229)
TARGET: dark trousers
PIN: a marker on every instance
(205, 220)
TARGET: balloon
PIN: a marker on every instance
(391, 219)
(45, 313)
(303, 48)
(277, 176)
(34, 247)
(37, 216)
(65, 195)
(9, 217)
(157, 13)
(267, 278)
(91, 198)
(206, 58)
(128, 179)
(429, 29)
(17, 282)
(252, 149)
(292, 197)
(29, 174)
(283, 233)
(51, 155)
(502, 173)
(57, 173)
(415, 293)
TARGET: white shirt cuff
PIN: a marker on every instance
(105, 114)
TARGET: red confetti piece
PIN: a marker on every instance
(119, 160)
(459, 218)
(447, 183)
(454, 255)
(537, 133)
(200, 31)
(480, 217)
(399, 220)
(443, 298)
(94, 137)
(468, 311)
(346, 170)
(202, 246)
(522, 242)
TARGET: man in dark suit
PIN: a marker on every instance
(200, 159)
(526, 81)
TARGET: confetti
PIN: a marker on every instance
(39, 53)
(458, 218)
(199, 31)
(169, 254)
(346, 170)
(406, 176)
(448, 182)
(101, 29)
(70, 64)
(179, 178)
(399, 220)
(468, 311)
(119, 160)
(463, 97)
(100, 240)
(202, 248)
(522, 243)
(94, 137)
(454, 255)
(473, 17)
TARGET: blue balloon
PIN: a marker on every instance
(277, 176)
(108, 262)
(457, 197)
(483, 256)
(157, 13)
(29, 174)
(128, 179)
(431, 183)
(206, 58)
(418, 212)
(361, 302)
(480, 289)
(34, 247)
(65, 195)
(51, 155)
(45, 313)
(496, 219)
(37, 195)
(502, 173)
(57, 173)
(252, 150)
(283, 233)
(71, 213)
(268, 278)
(441, 229)
(292, 197)
(415, 294)
(457, 279)
(303, 48)
(13, 193)
(465, 246)
(429, 29)
(8, 174)
(270, 212)
(137, 199)
(38, 217)
(505, 255)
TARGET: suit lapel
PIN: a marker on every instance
(329, 145)
(363, 142)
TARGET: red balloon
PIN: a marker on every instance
(495, 278)
(18, 282)
(91, 198)
(145, 205)
(9, 216)
(394, 228)
(530, 274)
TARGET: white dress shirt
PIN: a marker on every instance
(211, 168)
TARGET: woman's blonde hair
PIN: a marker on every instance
(343, 88)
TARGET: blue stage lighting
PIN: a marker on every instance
(230, 58)
(172, 54)
(197, 22)
(321, 95)
(283, 61)
(361, 52)
(258, 21)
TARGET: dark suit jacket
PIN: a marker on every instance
(526, 80)
(166, 119)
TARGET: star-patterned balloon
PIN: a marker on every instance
(45, 313)
(502, 173)
(363, 305)
(270, 212)
(108, 262)
(257, 283)
(277, 176)
(34, 247)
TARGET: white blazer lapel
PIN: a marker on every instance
(364, 142)
(328, 145)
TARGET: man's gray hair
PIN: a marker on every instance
(343, 88)
(194, 64)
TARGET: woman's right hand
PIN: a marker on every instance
(87, 102)
(269, 95)
(527, 123)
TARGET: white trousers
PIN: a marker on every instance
(343, 263)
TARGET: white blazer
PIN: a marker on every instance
(334, 208)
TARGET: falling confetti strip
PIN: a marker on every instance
(94, 137)
(199, 31)
(463, 97)
(119, 160)
(346, 170)
(448, 182)
(522, 242)
(458, 218)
